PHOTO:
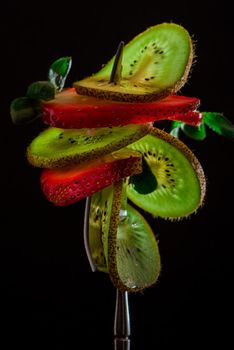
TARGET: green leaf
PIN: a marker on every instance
(24, 110)
(58, 72)
(176, 124)
(219, 124)
(175, 128)
(195, 132)
(175, 132)
(41, 90)
(145, 182)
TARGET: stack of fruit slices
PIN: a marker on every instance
(101, 145)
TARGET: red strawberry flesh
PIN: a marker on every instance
(70, 110)
(65, 186)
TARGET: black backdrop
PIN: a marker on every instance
(50, 298)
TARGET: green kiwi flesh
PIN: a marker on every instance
(105, 205)
(134, 260)
(95, 237)
(155, 64)
(181, 183)
(56, 147)
(99, 217)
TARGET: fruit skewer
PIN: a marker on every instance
(104, 148)
(80, 162)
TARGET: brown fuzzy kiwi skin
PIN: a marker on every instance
(112, 234)
(149, 97)
(185, 76)
(123, 97)
(112, 242)
(192, 159)
(41, 162)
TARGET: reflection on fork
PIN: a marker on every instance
(122, 322)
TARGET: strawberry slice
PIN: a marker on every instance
(68, 185)
(70, 110)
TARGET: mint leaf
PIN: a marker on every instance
(195, 132)
(175, 128)
(41, 90)
(24, 110)
(58, 72)
(219, 124)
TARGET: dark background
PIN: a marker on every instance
(50, 298)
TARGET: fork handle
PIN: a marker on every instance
(122, 322)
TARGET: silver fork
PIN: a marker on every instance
(122, 315)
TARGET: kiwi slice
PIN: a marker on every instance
(101, 204)
(56, 147)
(105, 205)
(133, 254)
(155, 64)
(180, 179)
(121, 242)
(95, 233)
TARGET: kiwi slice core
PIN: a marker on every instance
(155, 63)
(180, 179)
